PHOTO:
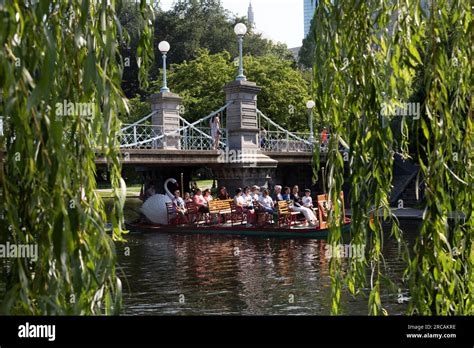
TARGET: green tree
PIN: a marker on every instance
(193, 25)
(366, 57)
(189, 26)
(130, 17)
(284, 91)
(200, 82)
(306, 54)
(48, 192)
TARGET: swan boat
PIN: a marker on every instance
(240, 230)
(223, 219)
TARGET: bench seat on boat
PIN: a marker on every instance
(285, 215)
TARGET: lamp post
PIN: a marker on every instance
(164, 48)
(240, 30)
(310, 106)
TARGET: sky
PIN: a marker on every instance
(280, 20)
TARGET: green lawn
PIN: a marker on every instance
(204, 184)
(132, 191)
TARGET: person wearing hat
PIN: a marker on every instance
(255, 193)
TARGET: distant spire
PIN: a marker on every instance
(251, 16)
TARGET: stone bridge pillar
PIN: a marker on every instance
(242, 163)
(166, 107)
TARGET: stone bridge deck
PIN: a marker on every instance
(184, 158)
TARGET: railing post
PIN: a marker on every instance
(184, 139)
(248, 165)
(287, 142)
(135, 134)
(166, 107)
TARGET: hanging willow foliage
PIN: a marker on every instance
(367, 56)
(60, 77)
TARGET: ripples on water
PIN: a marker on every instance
(168, 274)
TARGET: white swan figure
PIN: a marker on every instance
(155, 207)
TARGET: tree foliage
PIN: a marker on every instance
(191, 26)
(367, 57)
(55, 54)
(306, 53)
(200, 82)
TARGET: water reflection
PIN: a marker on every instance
(208, 274)
(236, 275)
(204, 274)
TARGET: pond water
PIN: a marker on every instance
(166, 274)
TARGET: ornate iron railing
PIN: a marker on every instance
(141, 136)
(192, 136)
(275, 138)
(197, 136)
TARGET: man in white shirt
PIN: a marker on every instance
(307, 200)
(266, 202)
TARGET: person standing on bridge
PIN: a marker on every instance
(216, 131)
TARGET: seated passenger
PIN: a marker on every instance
(247, 195)
(200, 202)
(239, 199)
(223, 195)
(179, 204)
(307, 200)
(286, 196)
(277, 196)
(242, 205)
(266, 203)
(207, 195)
(187, 197)
(298, 206)
(255, 193)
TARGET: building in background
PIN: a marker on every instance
(309, 8)
(251, 16)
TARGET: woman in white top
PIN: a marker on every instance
(216, 131)
(241, 204)
(298, 206)
(248, 199)
(239, 199)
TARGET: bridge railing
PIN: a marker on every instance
(278, 141)
(275, 138)
(192, 136)
(141, 136)
(200, 138)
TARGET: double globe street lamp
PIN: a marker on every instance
(240, 30)
(164, 48)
